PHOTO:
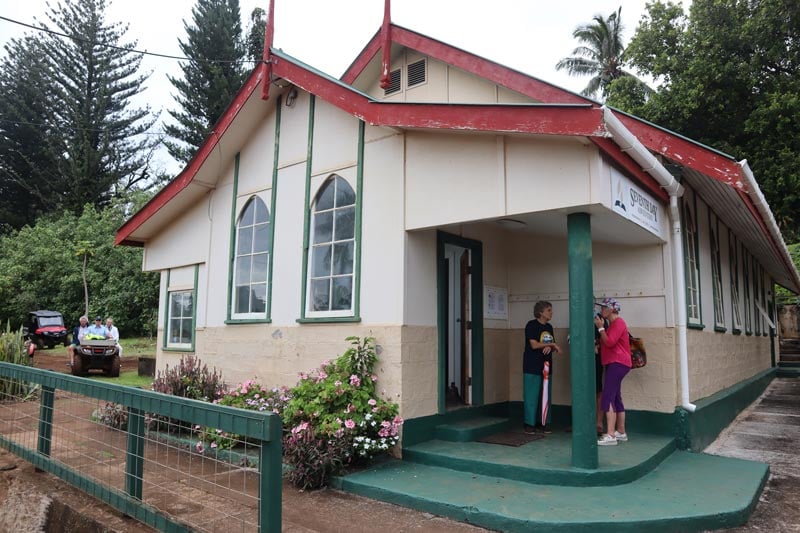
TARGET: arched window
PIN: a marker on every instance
(332, 251)
(251, 260)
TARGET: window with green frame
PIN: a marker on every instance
(692, 267)
(716, 275)
(180, 319)
(736, 311)
(331, 253)
(748, 323)
(756, 314)
(251, 261)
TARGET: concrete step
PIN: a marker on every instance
(471, 428)
(551, 463)
(790, 357)
(686, 492)
(787, 371)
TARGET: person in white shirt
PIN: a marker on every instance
(78, 333)
(113, 333)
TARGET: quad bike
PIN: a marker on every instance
(96, 355)
(44, 328)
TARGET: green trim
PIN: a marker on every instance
(736, 331)
(718, 262)
(46, 403)
(307, 206)
(714, 413)
(775, 321)
(249, 321)
(272, 207)
(686, 268)
(720, 329)
(166, 312)
(232, 244)
(476, 316)
(748, 322)
(756, 314)
(696, 326)
(194, 315)
(734, 281)
(324, 319)
(359, 219)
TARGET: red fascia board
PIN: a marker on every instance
(685, 153)
(555, 120)
(502, 75)
(185, 178)
(625, 161)
(363, 59)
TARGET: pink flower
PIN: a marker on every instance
(337, 382)
(354, 380)
(257, 396)
(349, 424)
(350, 408)
(299, 428)
(398, 421)
(374, 409)
(373, 377)
(372, 401)
(383, 432)
(199, 446)
(303, 376)
(322, 374)
(386, 424)
(213, 444)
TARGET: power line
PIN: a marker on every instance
(133, 50)
(42, 125)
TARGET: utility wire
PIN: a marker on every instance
(43, 126)
(133, 50)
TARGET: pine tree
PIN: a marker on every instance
(255, 36)
(211, 77)
(70, 134)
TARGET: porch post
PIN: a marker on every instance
(581, 349)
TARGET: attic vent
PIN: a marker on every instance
(416, 73)
(394, 83)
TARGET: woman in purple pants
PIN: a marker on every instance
(615, 355)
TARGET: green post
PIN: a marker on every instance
(46, 420)
(134, 459)
(270, 488)
(581, 299)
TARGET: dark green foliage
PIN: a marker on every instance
(40, 269)
(69, 134)
(13, 350)
(254, 40)
(600, 55)
(190, 380)
(730, 78)
(314, 458)
(212, 76)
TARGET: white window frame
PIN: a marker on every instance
(736, 310)
(716, 274)
(310, 278)
(693, 312)
(236, 258)
(180, 345)
(748, 310)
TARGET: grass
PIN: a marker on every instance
(138, 346)
(131, 378)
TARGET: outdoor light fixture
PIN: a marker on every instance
(291, 96)
(511, 223)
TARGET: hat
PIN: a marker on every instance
(611, 303)
(98, 317)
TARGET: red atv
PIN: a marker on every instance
(44, 328)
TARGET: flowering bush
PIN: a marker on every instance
(314, 457)
(189, 379)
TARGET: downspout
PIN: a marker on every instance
(629, 144)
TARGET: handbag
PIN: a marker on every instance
(638, 352)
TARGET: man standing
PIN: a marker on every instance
(78, 333)
(113, 333)
(539, 347)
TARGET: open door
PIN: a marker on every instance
(458, 339)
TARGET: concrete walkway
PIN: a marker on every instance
(769, 431)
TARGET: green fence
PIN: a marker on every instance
(139, 451)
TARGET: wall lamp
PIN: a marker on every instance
(291, 96)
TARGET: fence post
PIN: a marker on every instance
(46, 420)
(270, 487)
(134, 458)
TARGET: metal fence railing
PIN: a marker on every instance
(138, 450)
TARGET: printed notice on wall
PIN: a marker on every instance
(636, 205)
(495, 303)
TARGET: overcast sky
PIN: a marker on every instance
(527, 35)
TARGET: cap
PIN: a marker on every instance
(98, 317)
(611, 303)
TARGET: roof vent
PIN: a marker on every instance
(416, 73)
(394, 83)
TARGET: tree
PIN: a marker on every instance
(211, 77)
(255, 35)
(600, 54)
(730, 78)
(70, 135)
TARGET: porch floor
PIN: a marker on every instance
(642, 483)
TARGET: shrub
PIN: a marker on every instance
(113, 415)
(190, 380)
(13, 350)
(314, 458)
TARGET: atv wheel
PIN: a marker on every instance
(77, 366)
(50, 346)
(113, 368)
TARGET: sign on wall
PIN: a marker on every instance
(495, 302)
(636, 205)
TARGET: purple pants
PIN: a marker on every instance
(612, 388)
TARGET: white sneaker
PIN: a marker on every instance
(621, 437)
(607, 440)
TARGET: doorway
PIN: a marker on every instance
(460, 322)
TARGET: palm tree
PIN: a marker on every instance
(600, 55)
